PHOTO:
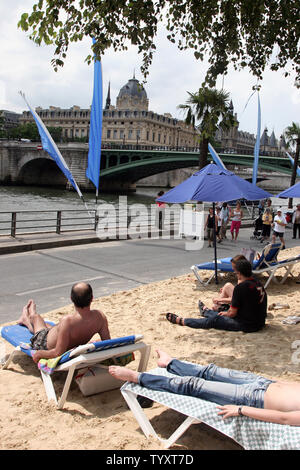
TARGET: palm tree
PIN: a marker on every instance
(207, 110)
(292, 135)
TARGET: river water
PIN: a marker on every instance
(44, 200)
(30, 198)
(18, 198)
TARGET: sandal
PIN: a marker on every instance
(171, 317)
(201, 307)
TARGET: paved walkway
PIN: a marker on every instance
(48, 274)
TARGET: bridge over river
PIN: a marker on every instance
(121, 168)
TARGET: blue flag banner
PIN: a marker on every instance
(51, 148)
(257, 143)
(292, 162)
(94, 156)
(218, 161)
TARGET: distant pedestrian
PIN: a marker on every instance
(296, 222)
(261, 206)
(211, 224)
(219, 225)
(269, 206)
(224, 217)
(236, 220)
(267, 220)
(279, 228)
(160, 213)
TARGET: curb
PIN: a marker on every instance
(22, 247)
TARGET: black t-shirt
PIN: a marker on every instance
(210, 221)
(250, 298)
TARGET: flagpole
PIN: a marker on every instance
(215, 243)
(257, 143)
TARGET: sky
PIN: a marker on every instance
(173, 73)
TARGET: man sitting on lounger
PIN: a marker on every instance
(247, 311)
(237, 392)
(73, 330)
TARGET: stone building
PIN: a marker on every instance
(10, 119)
(129, 122)
(235, 140)
(74, 121)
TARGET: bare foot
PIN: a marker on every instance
(122, 373)
(163, 358)
(24, 319)
(31, 307)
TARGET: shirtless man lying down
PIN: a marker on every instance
(72, 330)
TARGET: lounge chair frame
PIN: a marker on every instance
(82, 361)
(147, 428)
(265, 265)
(250, 434)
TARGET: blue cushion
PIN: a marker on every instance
(17, 334)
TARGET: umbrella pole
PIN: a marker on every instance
(215, 242)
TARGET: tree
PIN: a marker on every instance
(30, 131)
(208, 110)
(292, 135)
(241, 32)
(24, 131)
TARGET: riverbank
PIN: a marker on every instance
(103, 421)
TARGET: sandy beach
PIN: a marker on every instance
(103, 421)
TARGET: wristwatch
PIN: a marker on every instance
(240, 411)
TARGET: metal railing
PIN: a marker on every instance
(35, 221)
(26, 222)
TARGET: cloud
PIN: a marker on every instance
(172, 74)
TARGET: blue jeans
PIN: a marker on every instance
(212, 319)
(212, 383)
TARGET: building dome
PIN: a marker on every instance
(133, 88)
(132, 96)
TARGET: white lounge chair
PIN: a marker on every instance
(78, 358)
(249, 433)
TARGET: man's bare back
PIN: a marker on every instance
(73, 330)
(81, 329)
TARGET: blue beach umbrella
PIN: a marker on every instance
(293, 191)
(212, 184)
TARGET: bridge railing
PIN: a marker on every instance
(195, 149)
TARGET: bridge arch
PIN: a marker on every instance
(135, 165)
(41, 172)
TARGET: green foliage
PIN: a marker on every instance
(241, 32)
(30, 131)
(207, 110)
(24, 131)
(292, 134)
